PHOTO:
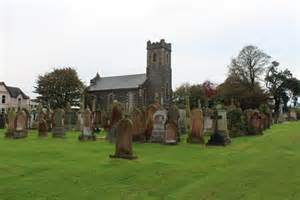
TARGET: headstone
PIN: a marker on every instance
(68, 117)
(220, 134)
(79, 123)
(171, 135)
(124, 140)
(49, 115)
(138, 122)
(293, 115)
(151, 109)
(196, 135)
(208, 122)
(42, 124)
(253, 122)
(182, 121)
(87, 130)
(235, 122)
(2, 120)
(58, 129)
(20, 125)
(11, 123)
(159, 122)
(173, 117)
(116, 116)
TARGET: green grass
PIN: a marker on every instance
(257, 167)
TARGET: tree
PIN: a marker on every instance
(249, 65)
(59, 87)
(279, 82)
(238, 91)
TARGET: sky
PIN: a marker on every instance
(110, 36)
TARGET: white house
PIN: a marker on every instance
(12, 97)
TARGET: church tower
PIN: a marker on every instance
(159, 73)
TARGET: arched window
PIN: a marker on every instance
(3, 99)
(154, 57)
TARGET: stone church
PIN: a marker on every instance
(138, 90)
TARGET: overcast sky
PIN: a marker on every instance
(110, 36)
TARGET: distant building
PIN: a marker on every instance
(138, 90)
(12, 97)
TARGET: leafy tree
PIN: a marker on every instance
(279, 84)
(235, 89)
(59, 87)
(249, 65)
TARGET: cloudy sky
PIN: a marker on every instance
(110, 36)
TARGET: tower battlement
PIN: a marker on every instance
(158, 45)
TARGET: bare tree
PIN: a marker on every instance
(249, 65)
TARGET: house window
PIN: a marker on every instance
(3, 99)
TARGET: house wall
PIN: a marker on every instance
(12, 102)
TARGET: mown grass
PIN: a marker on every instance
(257, 167)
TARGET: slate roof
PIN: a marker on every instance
(15, 91)
(118, 82)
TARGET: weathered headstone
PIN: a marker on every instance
(159, 126)
(292, 115)
(220, 135)
(196, 135)
(235, 122)
(173, 117)
(208, 121)
(20, 125)
(124, 140)
(138, 122)
(87, 130)
(11, 123)
(58, 129)
(68, 117)
(171, 135)
(49, 115)
(42, 124)
(182, 121)
(151, 109)
(253, 122)
(2, 120)
(116, 116)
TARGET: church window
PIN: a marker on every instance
(154, 57)
(110, 99)
(167, 60)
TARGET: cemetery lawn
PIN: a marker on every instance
(257, 167)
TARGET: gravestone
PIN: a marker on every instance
(11, 123)
(116, 116)
(87, 129)
(42, 124)
(292, 115)
(208, 122)
(79, 122)
(173, 117)
(2, 120)
(171, 135)
(138, 122)
(97, 120)
(182, 121)
(49, 115)
(235, 122)
(151, 109)
(124, 140)
(20, 130)
(58, 129)
(159, 122)
(253, 122)
(196, 135)
(220, 133)
(68, 117)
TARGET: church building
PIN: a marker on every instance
(138, 90)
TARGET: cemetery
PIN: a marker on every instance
(91, 108)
